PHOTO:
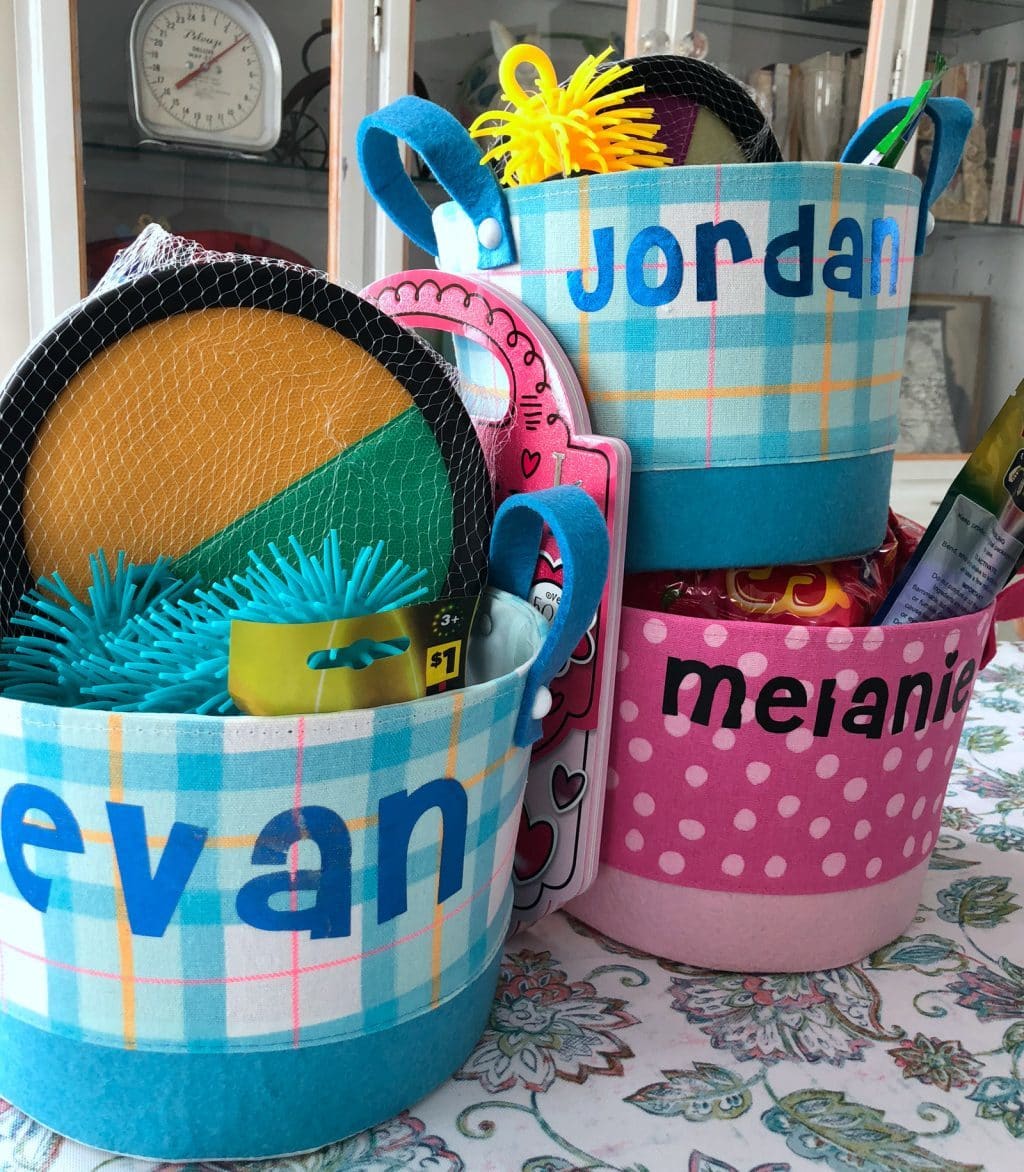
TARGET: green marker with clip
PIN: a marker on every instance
(892, 146)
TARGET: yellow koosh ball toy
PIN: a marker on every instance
(570, 129)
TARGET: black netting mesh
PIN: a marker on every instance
(679, 89)
(198, 405)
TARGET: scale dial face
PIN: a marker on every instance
(206, 73)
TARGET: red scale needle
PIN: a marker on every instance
(206, 64)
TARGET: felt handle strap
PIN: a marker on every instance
(443, 143)
(579, 529)
(1010, 601)
(953, 120)
(1009, 606)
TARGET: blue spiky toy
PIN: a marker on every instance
(151, 643)
(61, 632)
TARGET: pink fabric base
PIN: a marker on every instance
(749, 933)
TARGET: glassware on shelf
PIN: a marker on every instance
(821, 106)
(654, 41)
(479, 89)
(693, 44)
(305, 116)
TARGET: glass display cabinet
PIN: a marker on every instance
(233, 121)
(212, 120)
(103, 151)
(264, 159)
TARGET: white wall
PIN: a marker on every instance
(14, 328)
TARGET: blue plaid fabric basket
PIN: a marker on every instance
(90, 968)
(740, 327)
(280, 930)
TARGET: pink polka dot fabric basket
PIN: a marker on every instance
(775, 791)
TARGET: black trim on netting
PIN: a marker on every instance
(44, 372)
(726, 98)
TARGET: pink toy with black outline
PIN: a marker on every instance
(541, 440)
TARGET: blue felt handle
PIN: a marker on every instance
(582, 537)
(953, 120)
(443, 143)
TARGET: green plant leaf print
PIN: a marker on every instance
(826, 1126)
(705, 1092)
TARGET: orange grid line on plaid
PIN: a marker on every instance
(438, 924)
(237, 841)
(126, 959)
(277, 974)
(686, 393)
(830, 308)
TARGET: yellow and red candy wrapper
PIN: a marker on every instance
(829, 594)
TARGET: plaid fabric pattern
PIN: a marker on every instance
(753, 377)
(212, 982)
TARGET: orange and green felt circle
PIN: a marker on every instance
(206, 411)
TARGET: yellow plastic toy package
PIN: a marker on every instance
(279, 669)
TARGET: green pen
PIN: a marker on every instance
(892, 146)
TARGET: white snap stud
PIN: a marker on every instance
(541, 704)
(489, 233)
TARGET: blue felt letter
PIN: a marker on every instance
(802, 239)
(604, 257)
(882, 229)
(661, 238)
(708, 236)
(17, 834)
(397, 816)
(331, 912)
(151, 897)
(846, 230)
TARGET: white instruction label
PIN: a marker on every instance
(969, 561)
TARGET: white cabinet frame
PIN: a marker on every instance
(14, 331)
(896, 56)
(372, 60)
(46, 57)
(371, 66)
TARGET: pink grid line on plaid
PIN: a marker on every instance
(899, 268)
(293, 866)
(720, 263)
(899, 342)
(273, 976)
(713, 330)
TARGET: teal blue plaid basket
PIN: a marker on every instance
(740, 327)
(233, 937)
(253, 912)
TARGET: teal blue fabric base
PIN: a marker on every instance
(776, 514)
(182, 1107)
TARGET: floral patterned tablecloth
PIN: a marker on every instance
(601, 1057)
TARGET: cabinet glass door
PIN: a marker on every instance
(805, 59)
(457, 46)
(209, 117)
(965, 347)
(456, 51)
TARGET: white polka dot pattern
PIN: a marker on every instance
(764, 758)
